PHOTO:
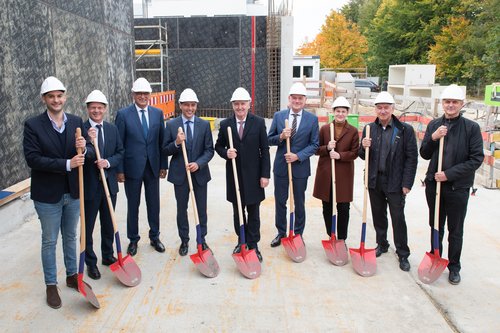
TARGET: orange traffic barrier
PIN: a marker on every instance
(164, 101)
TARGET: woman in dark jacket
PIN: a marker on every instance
(343, 149)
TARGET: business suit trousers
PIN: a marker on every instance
(98, 204)
(342, 218)
(251, 220)
(152, 194)
(281, 196)
(182, 198)
(452, 207)
(380, 198)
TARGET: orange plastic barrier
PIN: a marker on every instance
(164, 101)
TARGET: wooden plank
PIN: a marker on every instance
(15, 191)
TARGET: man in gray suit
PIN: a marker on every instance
(200, 149)
(303, 133)
(141, 129)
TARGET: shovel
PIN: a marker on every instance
(204, 260)
(125, 269)
(83, 287)
(432, 265)
(293, 244)
(364, 260)
(246, 260)
(335, 249)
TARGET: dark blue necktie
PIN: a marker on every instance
(144, 124)
(100, 140)
(189, 135)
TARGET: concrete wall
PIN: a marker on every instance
(88, 44)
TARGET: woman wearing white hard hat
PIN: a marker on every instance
(343, 150)
(463, 155)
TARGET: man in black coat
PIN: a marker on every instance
(50, 151)
(111, 151)
(391, 172)
(251, 151)
(463, 155)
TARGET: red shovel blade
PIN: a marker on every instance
(247, 262)
(205, 261)
(364, 261)
(431, 267)
(295, 247)
(86, 290)
(127, 271)
(335, 251)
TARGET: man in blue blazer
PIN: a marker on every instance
(50, 150)
(304, 141)
(141, 129)
(200, 150)
(111, 152)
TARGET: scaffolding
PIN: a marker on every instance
(151, 55)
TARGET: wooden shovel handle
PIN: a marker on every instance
(438, 184)
(190, 180)
(81, 195)
(235, 175)
(334, 190)
(290, 175)
(367, 162)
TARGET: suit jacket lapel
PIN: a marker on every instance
(248, 125)
(234, 129)
(137, 120)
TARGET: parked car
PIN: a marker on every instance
(363, 83)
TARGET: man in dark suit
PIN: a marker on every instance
(251, 151)
(141, 129)
(50, 150)
(200, 150)
(111, 151)
(303, 134)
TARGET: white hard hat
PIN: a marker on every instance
(341, 102)
(453, 92)
(298, 89)
(51, 84)
(384, 98)
(240, 94)
(188, 95)
(96, 96)
(141, 85)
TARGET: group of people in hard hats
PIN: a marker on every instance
(135, 150)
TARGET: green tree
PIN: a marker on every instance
(339, 43)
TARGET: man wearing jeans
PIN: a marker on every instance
(50, 151)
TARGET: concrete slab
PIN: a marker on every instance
(312, 296)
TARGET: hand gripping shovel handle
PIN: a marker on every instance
(237, 185)
(290, 185)
(435, 231)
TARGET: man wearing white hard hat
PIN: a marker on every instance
(342, 150)
(111, 152)
(251, 152)
(392, 169)
(303, 134)
(197, 136)
(462, 156)
(50, 150)
(141, 129)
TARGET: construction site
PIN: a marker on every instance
(108, 45)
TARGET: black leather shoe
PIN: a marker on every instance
(53, 299)
(93, 272)
(108, 261)
(276, 241)
(204, 246)
(404, 264)
(158, 245)
(183, 249)
(132, 248)
(259, 256)
(237, 249)
(380, 250)
(454, 277)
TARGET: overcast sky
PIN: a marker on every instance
(309, 16)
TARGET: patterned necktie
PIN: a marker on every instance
(189, 135)
(294, 125)
(100, 140)
(144, 124)
(240, 130)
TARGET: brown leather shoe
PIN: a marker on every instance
(72, 281)
(53, 299)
